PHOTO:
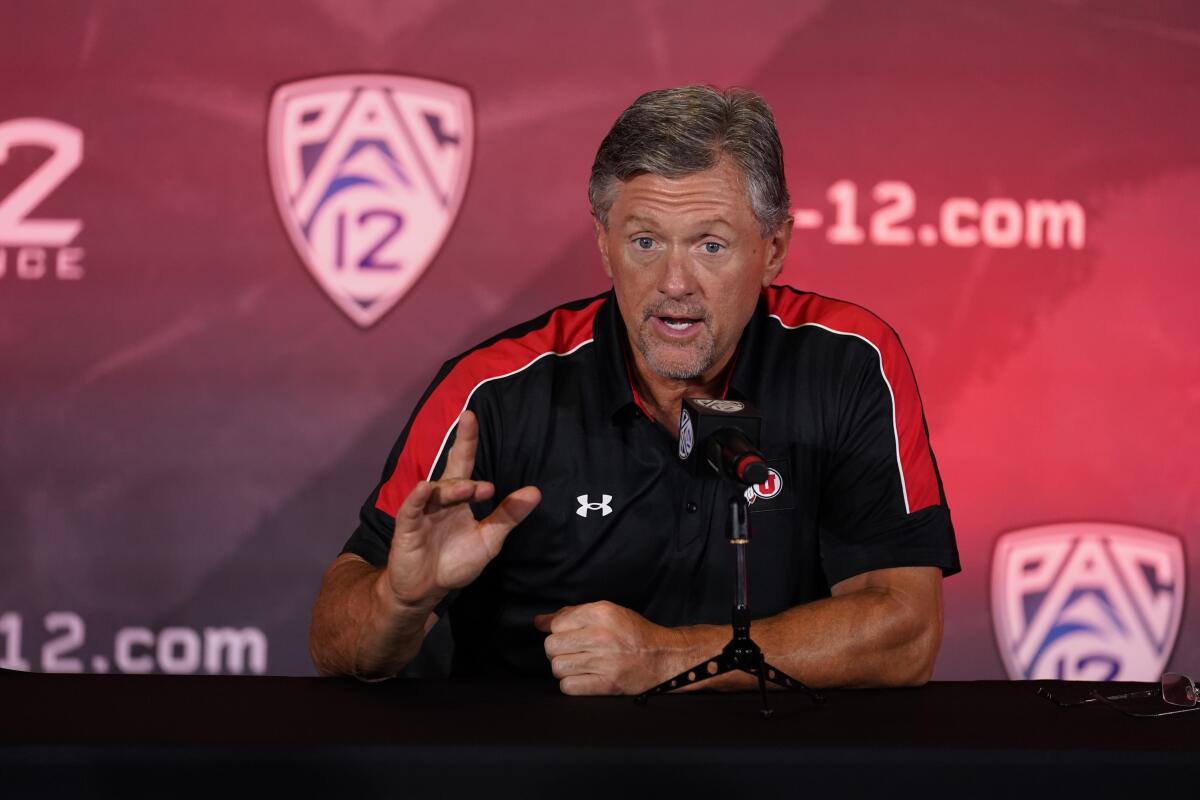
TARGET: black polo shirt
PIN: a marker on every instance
(854, 485)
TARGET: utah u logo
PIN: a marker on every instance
(369, 172)
(1087, 601)
(769, 488)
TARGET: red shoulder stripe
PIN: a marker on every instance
(565, 331)
(913, 457)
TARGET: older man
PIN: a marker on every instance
(605, 563)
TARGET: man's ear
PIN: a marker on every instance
(777, 250)
(602, 245)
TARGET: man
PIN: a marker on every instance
(536, 495)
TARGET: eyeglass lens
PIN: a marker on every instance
(1178, 690)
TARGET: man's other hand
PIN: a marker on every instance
(438, 544)
(603, 648)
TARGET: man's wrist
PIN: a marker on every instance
(391, 634)
(699, 644)
(401, 613)
(688, 646)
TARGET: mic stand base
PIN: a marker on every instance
(741, 654)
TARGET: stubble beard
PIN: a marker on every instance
(690, 361)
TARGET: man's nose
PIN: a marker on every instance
(677, 278)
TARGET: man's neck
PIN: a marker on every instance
(663, 397)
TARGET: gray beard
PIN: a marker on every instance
(701, 362)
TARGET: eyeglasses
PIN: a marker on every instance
(1175, 689)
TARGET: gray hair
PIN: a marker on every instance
(677, 132)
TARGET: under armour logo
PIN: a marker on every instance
(603, 506)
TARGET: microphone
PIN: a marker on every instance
(720, 438)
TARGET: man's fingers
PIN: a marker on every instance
(429, 496)
(508, 515)
(587, 684)
(408, 516)
(573, 618)
(573, 664)
(545, 622)
(451, 492)
(460, 462)
(575, 641)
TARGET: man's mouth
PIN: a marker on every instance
(678, 323)
(675, 326)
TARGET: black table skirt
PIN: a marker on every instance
(192, 736)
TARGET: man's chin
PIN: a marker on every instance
(680, 366)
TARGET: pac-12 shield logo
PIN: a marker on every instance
(687, 434)
(1087, 601)
(721, 406)
(369, 172)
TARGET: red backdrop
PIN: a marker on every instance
(188, 423)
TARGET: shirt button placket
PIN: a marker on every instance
(689, 526)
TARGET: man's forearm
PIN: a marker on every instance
(358, 629)
(869, 637)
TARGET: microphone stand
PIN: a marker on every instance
(742, 653)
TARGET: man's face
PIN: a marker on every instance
(688, 262)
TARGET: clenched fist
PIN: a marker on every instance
(604, 648)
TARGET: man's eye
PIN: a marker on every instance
(712, 248)
(644, 242)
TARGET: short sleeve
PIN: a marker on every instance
(419, 454)
(882, 503)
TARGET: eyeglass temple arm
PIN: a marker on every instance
(1043, 691)
(1108, 701)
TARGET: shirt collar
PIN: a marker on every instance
(610, 340)
(747, 365)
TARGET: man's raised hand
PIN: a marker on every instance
(438, 544)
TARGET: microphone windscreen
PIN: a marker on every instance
(752, 471)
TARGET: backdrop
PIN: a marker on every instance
(237, 239)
